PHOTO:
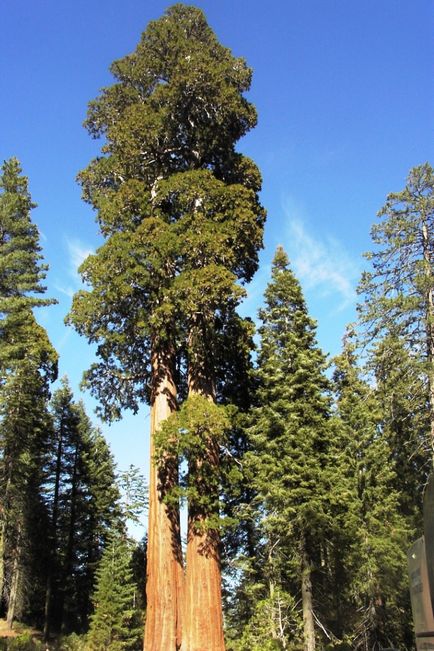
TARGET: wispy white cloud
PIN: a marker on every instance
(62, 342)
(321, 264)
(255, 290)
(65, 290)
(77, 252)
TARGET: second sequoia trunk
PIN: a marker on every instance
(203, 618)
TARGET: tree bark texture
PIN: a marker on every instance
(15, 581)
(164, 584)
(203, 616)
(4, 514)
(306, 597)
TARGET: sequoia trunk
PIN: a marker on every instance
(164, 562)
(203, 618)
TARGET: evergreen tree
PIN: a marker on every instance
(82, 498)
(373, 532)
(180, 213)
(28, 363)
(91, 501)
(404, 408)
(21, 270)
(119, 597)
(65, 421)
(116, 622)
(289, 435)
(25, 430)
(399, 289)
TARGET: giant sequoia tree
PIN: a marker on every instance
(179, 210)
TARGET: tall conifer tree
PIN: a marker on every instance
(82, 499)
(116, 621)
(179, 210)
(290, 434)
(28, 363)
(375, 587)
(21, 269)
(403, 398)
(399, 289)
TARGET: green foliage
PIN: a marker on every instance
(373, 533)
(189, 434)
(23, 642)
(25, 429)
(402, 275)
(286, 464)
(177, 204)
(116, 623)
(133, 494)
(71, 642)
(21, 270)
(399, 288)
(82, 497)
(402, 394)
(28, 642)
(275, 620)
(290, 424)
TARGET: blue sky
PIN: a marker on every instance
(344, 95)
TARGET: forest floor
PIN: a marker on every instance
(18, 629)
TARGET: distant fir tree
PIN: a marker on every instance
(116, 622)
(373, 607)
(28, 363)
(25, 430)
(398, 291)
(21, 267)
(289, 437)
(82, 498)
(401, 391)
(180, 212)
(119, 597)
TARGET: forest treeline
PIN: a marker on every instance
(302, 476)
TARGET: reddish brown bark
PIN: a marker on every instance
(164, 562)
(203, 617)
(203, 620)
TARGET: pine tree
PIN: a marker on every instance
(118, 597)
(65, 424)
(374, 531)
(404, 403)
(290, 444)
(180, 213)
(91, 501)
(28, 363)
(21, 270)
(25, 429)
(399, 289)
(82, 498)
(116, 622)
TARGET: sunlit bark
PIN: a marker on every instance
(164, 561)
